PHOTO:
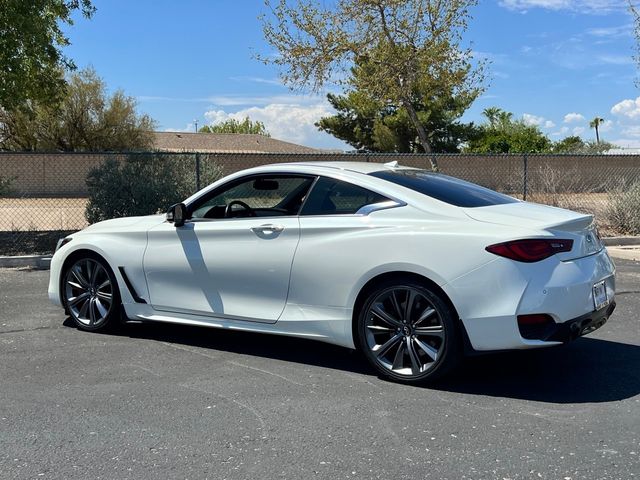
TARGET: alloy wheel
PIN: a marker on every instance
(404, 331)
(88, 292)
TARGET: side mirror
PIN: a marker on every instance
(177, 214)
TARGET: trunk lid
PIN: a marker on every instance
(559, 222)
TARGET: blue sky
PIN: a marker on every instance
(556, 63)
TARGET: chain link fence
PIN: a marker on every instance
(45, 196)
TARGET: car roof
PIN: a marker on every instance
(357, 167)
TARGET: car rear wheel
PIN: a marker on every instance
(408, 332)
(91, 293)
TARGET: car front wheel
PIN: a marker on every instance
(91, 294)
(408, 332)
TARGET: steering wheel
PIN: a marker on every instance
(229, 208)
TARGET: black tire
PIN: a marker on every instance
(414, 346)
(90, 293)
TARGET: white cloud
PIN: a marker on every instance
(189, 128)
(488, 96)
(580, 6)
(561, 133)
(578, 53)
(629, 109)
(627, 143)
(610, 59)
(612, 32)
(530, 119)
(606, 126)
(573, 118)
(527, 4)
(289, 122)
(217, 116)
(241, 100)
(267, 81)
(578, 131)
(633, 131)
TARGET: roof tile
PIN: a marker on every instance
(224, 143)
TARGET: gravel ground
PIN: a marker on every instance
(179, 402)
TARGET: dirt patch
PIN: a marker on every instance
(42, 214)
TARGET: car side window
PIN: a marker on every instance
(256, 196)
(335, 197)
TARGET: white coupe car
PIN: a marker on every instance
(411, 267)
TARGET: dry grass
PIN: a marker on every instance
(595, 204)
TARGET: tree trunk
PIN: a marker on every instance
(597, 135)
(422, 133)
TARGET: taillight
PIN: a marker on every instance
(530, 250)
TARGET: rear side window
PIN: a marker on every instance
(444, 188)
(334, 197)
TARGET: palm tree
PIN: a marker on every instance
(595, 123)
(497, 117)
(492, 114)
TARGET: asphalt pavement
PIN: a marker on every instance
(190, 403)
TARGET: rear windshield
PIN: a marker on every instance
(444, 188)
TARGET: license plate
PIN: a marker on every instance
(600, 297)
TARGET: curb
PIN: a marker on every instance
(625, 253)
(41, 262)
(615, 241)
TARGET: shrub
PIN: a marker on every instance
(624, 209)
(5, 186)
(141, 185)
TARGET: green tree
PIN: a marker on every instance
(595, 123)
(86, 119)
(502, 134)
(116, 190)
(572, 144)
(405, 47)
(31, 39)
(498, 118)
(575, 144)
(235, 126)
(371, 125)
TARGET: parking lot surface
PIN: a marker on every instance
(180, 402)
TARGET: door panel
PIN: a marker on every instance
(232, 268)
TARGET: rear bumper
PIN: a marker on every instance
(572, 329)
(490, 299)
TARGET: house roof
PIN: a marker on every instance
(224, 143)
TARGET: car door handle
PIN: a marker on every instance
(268, 228)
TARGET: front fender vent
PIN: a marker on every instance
(132, 290)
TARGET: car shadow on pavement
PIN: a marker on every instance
(588, 370)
